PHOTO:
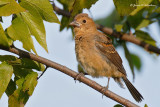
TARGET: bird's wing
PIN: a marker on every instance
(105, 47)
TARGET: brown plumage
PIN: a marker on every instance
(96, 54)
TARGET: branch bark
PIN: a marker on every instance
(127, 37)
(70, 73)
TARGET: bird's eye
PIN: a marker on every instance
(84, 21)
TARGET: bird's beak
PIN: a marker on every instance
(74, 24)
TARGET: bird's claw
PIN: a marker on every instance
(79, 75)
(104, 90)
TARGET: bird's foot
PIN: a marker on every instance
(79, 75)
(104, 90)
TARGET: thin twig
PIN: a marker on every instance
(42, 73)
(71, 73)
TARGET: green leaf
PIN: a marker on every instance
(26, 81)
(136, 61)
(83, 4)
(150, 9)
(118, 105)
(25, 63)
(140, 22)
(118, 27)
(35, 23)
(1, 20)
(8, 7)
(129, 58)
(11, 88)
(30, 83)
(138, 17)
(67, 6)
(141, 4)
(20, 72)
(78, 5)
(4, 39)
(7, 58)
(20, 80)
(143, 23)
(64, 22)
(36, 27)
(20, 31)
(124, 7)
(157, 10)
(153, 12)
(145, 105)
(30, 64)
(6, 72)
(44, 8)
(18, 99)
(67, 3)
(144, 36)
(4, 2)
(110, 20)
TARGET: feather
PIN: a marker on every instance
(108, 51)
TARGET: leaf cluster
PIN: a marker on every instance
(18, 76)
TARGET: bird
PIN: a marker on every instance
(96, 54)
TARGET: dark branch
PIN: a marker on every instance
(71, 73)
(129, 38)
(60, 11)
(109, 31)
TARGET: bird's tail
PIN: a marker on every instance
(136, 95)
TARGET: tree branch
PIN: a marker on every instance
(129, 38)
(109, 31)
(71, 73)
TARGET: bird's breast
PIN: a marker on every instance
(91, 60)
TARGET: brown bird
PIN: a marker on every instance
(96, 54)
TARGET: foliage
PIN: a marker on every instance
(145, 105)
(25, 80)
(28, 16)
(124, 7)
(118, 105)
(18, 78)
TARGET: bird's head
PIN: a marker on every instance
(83, 23)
